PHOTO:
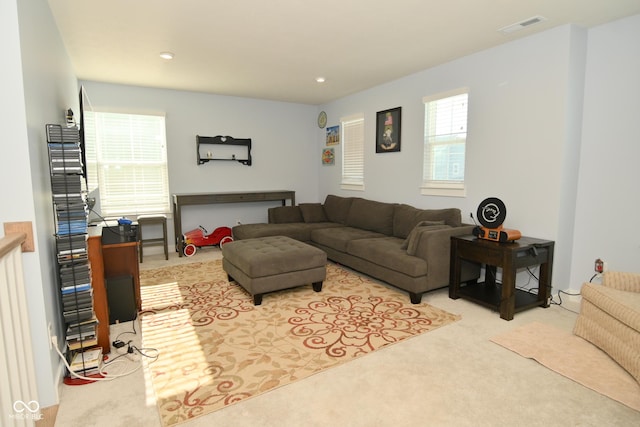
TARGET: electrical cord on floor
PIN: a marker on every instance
(142, 353)
(133, 326)
(559, 303)
(105, 376)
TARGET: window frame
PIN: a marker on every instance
(352, 153)
(141, 160)
(432, 187)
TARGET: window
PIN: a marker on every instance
(352, 152)
(445, 136)
(127, 161)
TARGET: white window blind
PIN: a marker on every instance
(352, 152)
(127, 161)
(445, 136)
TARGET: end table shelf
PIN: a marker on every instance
(503, 297)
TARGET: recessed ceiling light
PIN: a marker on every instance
(320, 79)
(166, 55)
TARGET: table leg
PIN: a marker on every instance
(508, 297)
(544, 284)
(177, 228)
(455, 265)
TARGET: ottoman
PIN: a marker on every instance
(268, 264)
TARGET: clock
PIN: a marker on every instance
(322, 119)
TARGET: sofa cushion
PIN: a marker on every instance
(404, 219)
(296, 230)
(284, 214)
(450, 216)
(339, 237)
(621, 305)
(418, 227)
(387, 252)
(336, 208)
(420, 234)
(313, 212)
(371, 215)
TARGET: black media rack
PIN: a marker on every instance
(74, 269)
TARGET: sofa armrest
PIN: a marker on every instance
(434, 247)
(622, 281)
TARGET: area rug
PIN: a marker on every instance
(575, 358)
(216, 348)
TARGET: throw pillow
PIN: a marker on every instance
(411, 242)
(313, 212)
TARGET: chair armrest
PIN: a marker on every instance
(622, 281)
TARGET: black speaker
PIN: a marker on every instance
(121, 299)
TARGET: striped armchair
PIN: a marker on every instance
(610, 318)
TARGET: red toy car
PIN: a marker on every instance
(199, 237)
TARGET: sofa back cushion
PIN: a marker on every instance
(284, 214)
(313, 212)
(336, 208)
(371, 215)
(451, 216)
(404, 219)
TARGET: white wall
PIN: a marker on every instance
(608, 196)
(523, 135)
(38, 84)
(283, 141)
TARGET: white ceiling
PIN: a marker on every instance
(274, 49)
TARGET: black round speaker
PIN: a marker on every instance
(492, 212)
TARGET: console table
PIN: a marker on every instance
(505, 298)
(180, 200)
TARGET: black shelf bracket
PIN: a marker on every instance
(229, 148)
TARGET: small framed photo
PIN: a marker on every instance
(388, 126)
(333, 135)
(328, 156)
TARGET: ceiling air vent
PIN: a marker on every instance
(522, 24)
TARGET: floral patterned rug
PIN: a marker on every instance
(217, 348)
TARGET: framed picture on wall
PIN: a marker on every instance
(328, 156)
(388, 130)
(333, 135)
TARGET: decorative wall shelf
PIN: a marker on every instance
(223, 148)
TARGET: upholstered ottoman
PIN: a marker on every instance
(268, 264)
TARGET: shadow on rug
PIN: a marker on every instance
(217, 348)
(575, 358)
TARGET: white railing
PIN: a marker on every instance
(18, 394)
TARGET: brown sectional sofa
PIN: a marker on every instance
(397, 243)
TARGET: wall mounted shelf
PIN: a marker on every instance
(223, 148)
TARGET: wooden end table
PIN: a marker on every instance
(511, 256)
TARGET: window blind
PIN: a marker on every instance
(127, 161)
(445, 135)
(353, 152)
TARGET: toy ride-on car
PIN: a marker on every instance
(199, 237)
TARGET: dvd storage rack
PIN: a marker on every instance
(74, 270)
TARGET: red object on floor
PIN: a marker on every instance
(69, 380)
(198, 238)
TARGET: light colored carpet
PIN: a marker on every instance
(453, 376)
(217, 348)
(573, 357)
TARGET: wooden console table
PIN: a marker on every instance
(180, 200)
(525, 252)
